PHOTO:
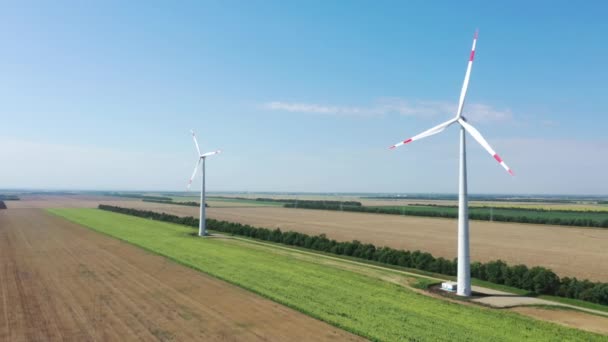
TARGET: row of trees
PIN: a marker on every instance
(517, 216)
(189, 204)
(138, 196)
(9, 197)
(486, 198)
(297, 202)
(539, 280)
(502, 208)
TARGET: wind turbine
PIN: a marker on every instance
(202, 231)
(464, 263)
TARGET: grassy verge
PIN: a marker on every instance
(370, 307)
(423, 282)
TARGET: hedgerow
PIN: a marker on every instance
(295, 202)
(189, 204)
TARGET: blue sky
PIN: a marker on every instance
(302, 96)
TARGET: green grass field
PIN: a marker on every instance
(370, 307)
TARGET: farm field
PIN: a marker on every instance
(370, 307)
(514, 204)
(531, 215)
(569, 251)
(62, 201)
(366, 201)
(229, 202)
(61, 281)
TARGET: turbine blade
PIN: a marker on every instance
(437, 129)
(195, 142)
(194, 173)
(465, 84)
(480, 139)
(211, 153)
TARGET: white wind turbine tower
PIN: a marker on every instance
(464, 270)
(202, 231)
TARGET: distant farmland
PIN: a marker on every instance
(503, 214)
(68, 283)
(370, 307)
(569, 251)
(538, 213)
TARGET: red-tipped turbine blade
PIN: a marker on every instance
(480, 139)
(437, 129)
(198, 150)
(211, 153)
(467, 75)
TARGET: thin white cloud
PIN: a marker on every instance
(483, 113)
(475, 111)
(296, 107)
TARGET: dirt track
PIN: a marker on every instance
(59, 281)
(569, 251)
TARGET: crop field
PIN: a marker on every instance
(236, 202)
(530, 213)
(368, 201)
(514, 204)
(365, 305)
(62, 201)
(569, 251)
(61, 281)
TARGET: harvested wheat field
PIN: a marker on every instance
(60, 281)
(569, 251)
(62, 201)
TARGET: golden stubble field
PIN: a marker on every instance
(569, 251)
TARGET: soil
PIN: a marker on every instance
(60, 281)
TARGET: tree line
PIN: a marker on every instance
(295, 201)
(484, 198)
(186, 203)
(473, 215)
(499, 208)
(539, 280)
(158, 198)
(9, 197)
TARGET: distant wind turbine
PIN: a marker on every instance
(202, 230)
(464, 263)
